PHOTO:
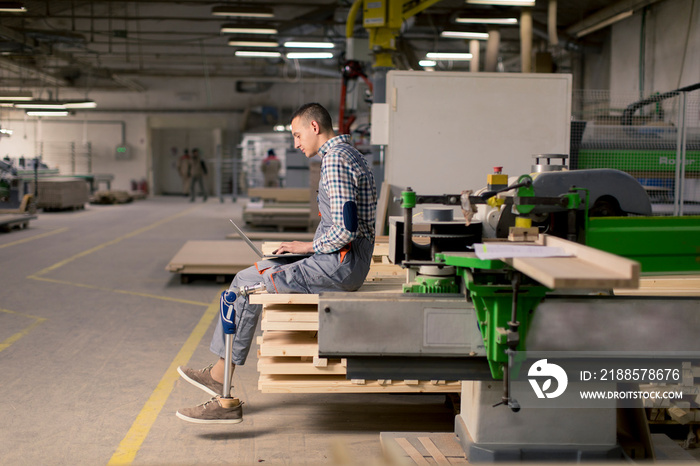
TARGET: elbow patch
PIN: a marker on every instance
(350, 216)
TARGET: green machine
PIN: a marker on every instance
(469, 318)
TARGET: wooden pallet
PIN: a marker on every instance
(219, 258)
(288, 360)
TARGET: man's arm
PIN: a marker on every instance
(295, 247)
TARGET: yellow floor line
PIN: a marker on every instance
(112, 242)
(26, 240)
(134, 293)
(37, 320)
(130, 445)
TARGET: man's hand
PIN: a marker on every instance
(295, 247)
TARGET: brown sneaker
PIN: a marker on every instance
(215, 411)
(202, 379)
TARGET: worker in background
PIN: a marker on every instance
(342, 252)
(271, 170)
(183, 168)
(198, 168)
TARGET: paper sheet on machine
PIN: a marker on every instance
(489, 251)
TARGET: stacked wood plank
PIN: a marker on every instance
(60, 193)
(676, 411)
(288, 360)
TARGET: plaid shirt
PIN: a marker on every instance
(346, 177)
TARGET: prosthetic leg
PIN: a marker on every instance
(228, 322)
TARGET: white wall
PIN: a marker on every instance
(173, 104)
(668, 23)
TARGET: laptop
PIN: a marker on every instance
(260, 254)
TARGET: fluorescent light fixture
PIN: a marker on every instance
(427, 63)
(14, 96)
(242, 12)
(502, 21)
(606, 23)
(281, 128)
(448, 56)
(237, 29)
(309, 45)
(6, 131)
(47, 113)
(257, 53)
(503, 2)
(41, 104)
(80, 104)
(252, 43)
(465, 35)
(309, 55)
(12, 7)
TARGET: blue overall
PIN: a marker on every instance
(342, 270)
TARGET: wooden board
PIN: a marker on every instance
(384, 286)
(288, 343)
(589, 268)
(212, 257)
(432, 447)
(272, 325)
(339, 384)
(382, 209)
(297, 366)
(280, 194)
(9, 221)
(669, 285)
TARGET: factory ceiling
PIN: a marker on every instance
(115, 44)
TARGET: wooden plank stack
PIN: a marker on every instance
(61, 193)
(288, 360)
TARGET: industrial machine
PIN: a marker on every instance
(512, 281)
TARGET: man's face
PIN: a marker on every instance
(306, 136)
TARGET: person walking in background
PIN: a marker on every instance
(198, 168)
(183, 168)
(271, 170)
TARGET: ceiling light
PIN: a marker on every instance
(80, 104)
(309, 55)
(309, 45)
(503, 2)
(242, 12)
(252, 43)
(465, 35)
(13, 96)
(606, 23)
(448, 56)
(427, 63)
(257, 53)
(237, 29)
(502, 21)
(12, 7)
(41, 104)
(47, 112)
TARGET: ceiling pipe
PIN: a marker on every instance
(552, 23)
(526, 40)
(606, 14)
(492, 46)
(474, 50)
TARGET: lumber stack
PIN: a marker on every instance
(288, 360)
(676, 411)
(59, 193)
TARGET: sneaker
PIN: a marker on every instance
(202, 379)
(215, 411)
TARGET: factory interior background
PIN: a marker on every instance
(96, 312)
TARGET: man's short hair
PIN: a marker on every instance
(315, 112)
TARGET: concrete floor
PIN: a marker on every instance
(92, 329)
